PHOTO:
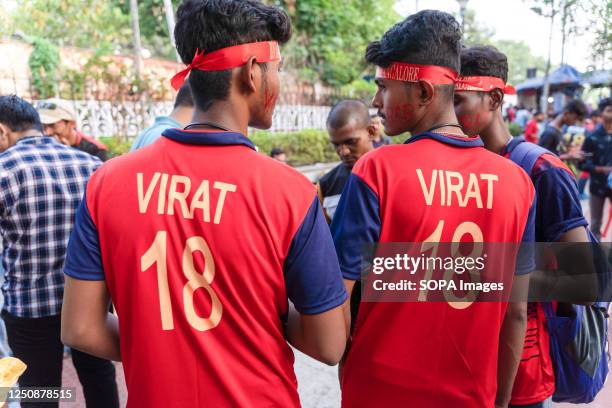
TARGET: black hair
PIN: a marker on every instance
(429, 37)
(209, 25)
(18, 114)
(346, 111)
(484, 60)
(184, 97)
(596, 112)
(604, 103)
(576, 106)
(276, 151)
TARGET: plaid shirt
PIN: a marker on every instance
(41, 184)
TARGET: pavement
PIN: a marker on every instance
(317, 383)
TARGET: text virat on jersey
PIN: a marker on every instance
(173, 189)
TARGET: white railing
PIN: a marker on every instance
(105, 118)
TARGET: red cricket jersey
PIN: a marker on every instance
(201, 241)
(428, 355)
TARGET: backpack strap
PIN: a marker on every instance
(525, 154)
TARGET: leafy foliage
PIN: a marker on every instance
(79, 23)
(153, 25)
(518, 52)
(330, 37)
(116, 145)
(44, 61)
(572, 14)
(302, 147)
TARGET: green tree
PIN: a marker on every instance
(476, 32)
(79, 23)
(519, 53)
(44, 62)
(330, 37)
(599, 14)
(153, 25)
(519, 59)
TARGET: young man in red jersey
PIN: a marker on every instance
(478, 99)
(429, 354)
(200, 255)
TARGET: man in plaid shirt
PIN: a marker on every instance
(41, 185)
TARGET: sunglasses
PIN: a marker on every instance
(46, 105)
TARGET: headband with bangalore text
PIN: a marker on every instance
(483, 83)
(228, 58)
(401, 71)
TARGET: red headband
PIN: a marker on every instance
(483, 83)
(400, 71)
(228, 58)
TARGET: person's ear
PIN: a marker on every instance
(371, 132)
(496, 99)
(426, 92)
(249, 76)
(4, 133)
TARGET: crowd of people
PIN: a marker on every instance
(578, 136)
(108, 259)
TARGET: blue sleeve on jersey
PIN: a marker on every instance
(312, 277)
(83, 259)
(525, 262)
(559, 208)
(355, 224)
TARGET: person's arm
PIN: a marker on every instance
(87, 324)
(549, 140)
(512, 334)
(320, 195)
(511, 341)
(587, 163)
(317, 320)
(560, 219)
(102, 155)
(321, 336)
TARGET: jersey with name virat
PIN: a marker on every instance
(201, 241)
(433, 188)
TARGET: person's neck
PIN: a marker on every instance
(182, 115)
(224, 114)
(27, 133)
(557, 122)
(496, 136)
(445, 115)
(607, 126)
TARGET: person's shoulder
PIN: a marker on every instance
(548, 161)
(282, 172)
(153, 132)
(503, 165)
(88, 146)
(77, 153)
(330, 175)
(597, 132)
(94, 141)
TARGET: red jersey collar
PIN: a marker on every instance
(208, 138)
(448, 139)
